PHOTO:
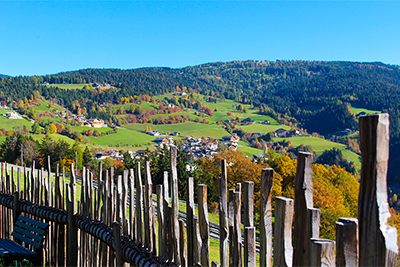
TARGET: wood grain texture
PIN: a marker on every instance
(283, 249)
(223, 215)
(266, 218)
(139, 203)
(204, 225)
(190, 226)
(347, 251)
(378, 241)
(175, 203)
(303, 202)
(322, 252)
(250, 246)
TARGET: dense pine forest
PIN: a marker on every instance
(316, 96)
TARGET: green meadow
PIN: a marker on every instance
(358, 110)
(67, 86)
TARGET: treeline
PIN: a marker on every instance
(38, 151)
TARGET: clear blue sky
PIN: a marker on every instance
(38, 38)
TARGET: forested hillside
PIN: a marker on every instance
(314, 95)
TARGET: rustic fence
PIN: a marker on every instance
(112, 226)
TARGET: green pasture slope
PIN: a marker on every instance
(319, 145)
(189, 128)
(10, 125)
(358, 110)
(67, 86)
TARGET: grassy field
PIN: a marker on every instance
(10, 125)
(67, 86)
(189, 128)
(358, 110)
(43, 106)
(262, 128)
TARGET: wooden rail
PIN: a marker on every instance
(111, 227)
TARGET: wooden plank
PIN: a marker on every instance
(148, 204)
(169, 245)
(204, 225)
(132, 203)
(303, 202)
(223, 215)
(250, 246)
(378, 241)
(190, 214)
(139, 207)
(347, 251)
(231, 213)
(266, 217)
(117, 244)
(160, 220)
(182, 244)
(175, 204)
(283, 249)
(248, 203)
(322, 252)
(237, 232)
(125, 227)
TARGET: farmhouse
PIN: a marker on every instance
(96, 123)
(12, 115)
(280, 132)
(230, 138)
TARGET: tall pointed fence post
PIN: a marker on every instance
(266, 218)
(148, 207)
(223, 215)
(175, 204)
(248, 214)
(283, 249)
(303, 202)
(190, 226)
(139, 203)
(204, 225)
(72, 231)
(132, 203)
(347, 242)
(237, 232)
(378, 241)
(160, 220)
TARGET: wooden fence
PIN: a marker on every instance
(111, 226)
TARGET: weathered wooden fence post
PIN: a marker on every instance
(237, 232)
(117, 244)
(175, 204)
(231, 212)
(223, 215)
(161, 221)
(190, 226)
(322, 252)
(303, 202)
(204, 226)
(283, 249)
(248, 214)
(72, 231)
(148, 207)
(132, 203)
(250, 246)
(347, 242)
(139, 201)
(182, 244)
(266, 218)
(378, 241)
